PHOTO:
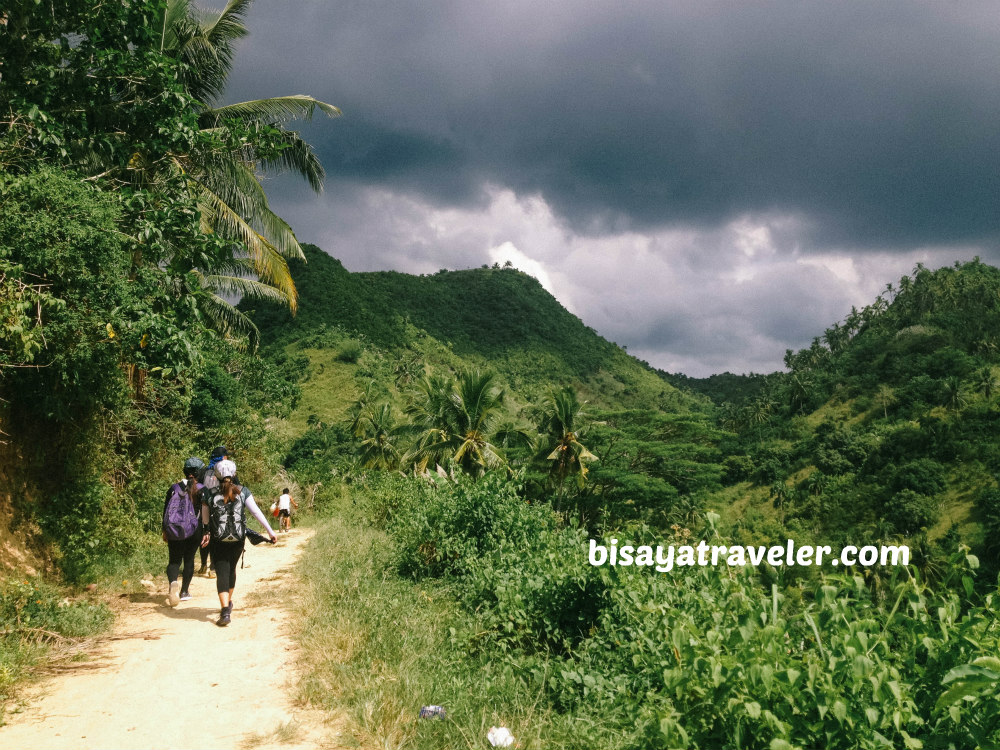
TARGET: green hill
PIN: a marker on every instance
(490, 318)
(887, 424)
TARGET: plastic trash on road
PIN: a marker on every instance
(432, 712)
(500, 737)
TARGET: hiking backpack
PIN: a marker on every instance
(180, 520)
(228, 521)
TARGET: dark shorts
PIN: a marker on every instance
(285, 513)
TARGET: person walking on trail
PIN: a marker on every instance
(285, 503)
(223, 514)
(208, 478)
(182, 530)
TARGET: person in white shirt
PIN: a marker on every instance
(285, 503)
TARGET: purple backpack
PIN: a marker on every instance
(179, 518)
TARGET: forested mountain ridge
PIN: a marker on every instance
(883, 427)
(887, 423)
(491, 318)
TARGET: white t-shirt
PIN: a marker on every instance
(285, 502)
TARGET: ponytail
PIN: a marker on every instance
(230, 490)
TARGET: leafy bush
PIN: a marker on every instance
(923, 475)
(460, 523)
(737, 468)
(87, 523)
(350, 352)
(910, 511)
(543, 597)
(708, 659)
(216, 398)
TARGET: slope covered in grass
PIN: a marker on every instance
(487, 318)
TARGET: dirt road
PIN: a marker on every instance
(178, 681)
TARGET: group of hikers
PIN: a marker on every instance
(206, 511)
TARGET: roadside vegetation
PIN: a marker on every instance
(459, 437)
(133, 214)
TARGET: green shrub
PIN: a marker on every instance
(910, 511)
(737, 468)
(924, 476)
(461, 522)
(216, 398)
(350, 352)
(542, 597)
(87, 523)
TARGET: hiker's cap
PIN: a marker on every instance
(193, 464)
(220, 452)
(225, 469)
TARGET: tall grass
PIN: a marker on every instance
(381, 647)
(38, 622)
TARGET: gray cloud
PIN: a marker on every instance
(690, 156)
(868, 118)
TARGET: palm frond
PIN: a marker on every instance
(238, 286)
(274, 110)
(229, 25)
(229, 321)
(176, 17)
(235, 184)
(269, 264)
(298, 157)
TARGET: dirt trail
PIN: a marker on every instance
(178, 681)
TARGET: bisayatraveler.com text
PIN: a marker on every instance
(664, 558)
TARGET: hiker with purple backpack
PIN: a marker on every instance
(182, 529)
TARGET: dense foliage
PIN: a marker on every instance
(118, 353)
(705, 657)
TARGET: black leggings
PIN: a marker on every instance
(182, 549)
(225, 555)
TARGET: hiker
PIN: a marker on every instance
(223, 513)
(207, 478)
(285, 501)
(182, 529)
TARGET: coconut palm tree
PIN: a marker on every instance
(461, 421)
(381, 440)
(953, 393)
(243, 140)
(560, 424)
(986, 384)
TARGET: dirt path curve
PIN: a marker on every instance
(181, 682)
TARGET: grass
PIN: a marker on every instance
(327, 394)
(284, 734)
(380, 647)
(40, 625)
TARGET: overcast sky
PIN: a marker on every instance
(707, 183)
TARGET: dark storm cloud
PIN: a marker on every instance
(708, 183)
(871, 120)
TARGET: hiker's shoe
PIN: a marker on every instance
(174, 596)
(223, 617)
(210, 574)
(185, 596)
(202, 570)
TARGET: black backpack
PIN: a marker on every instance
(228, 521)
